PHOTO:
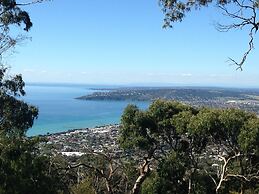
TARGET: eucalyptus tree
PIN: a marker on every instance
(190, 150)
(16, 116)
(230, 149)
(151, 135)
(102, 172)
(23, 168)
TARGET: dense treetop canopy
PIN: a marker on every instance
(186, 144)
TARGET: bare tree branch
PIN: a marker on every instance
(243, 13)
(31, 2)
(251, 46)
(246, 178)
(246, 15)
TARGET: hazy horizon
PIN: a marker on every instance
(137, 85)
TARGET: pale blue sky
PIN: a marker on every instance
(122, 42)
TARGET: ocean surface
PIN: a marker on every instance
(59, 110)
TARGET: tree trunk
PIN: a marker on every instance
(144, 171)
(190, 186)
(108, 187)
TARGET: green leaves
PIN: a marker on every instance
(193, 146)
(219, 125)
(11, 13)
(165, 121)
(248, 138)
(145, 129)
(23, 170)
(137, 127)
(204, 122)
(175, 10)
(12, 86)
(171, 174)
(16, 116)
(181, 121)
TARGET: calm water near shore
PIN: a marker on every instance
(59, 111)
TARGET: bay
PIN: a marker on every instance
(59, 110)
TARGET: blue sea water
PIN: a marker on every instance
(60, 111)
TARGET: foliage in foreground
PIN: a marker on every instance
(193, 150)
(23, 169)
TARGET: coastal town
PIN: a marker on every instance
(80, 141)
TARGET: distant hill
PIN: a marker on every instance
(247, 99)
(182, 94)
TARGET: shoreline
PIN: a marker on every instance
(78, 130)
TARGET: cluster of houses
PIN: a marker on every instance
(80, 141)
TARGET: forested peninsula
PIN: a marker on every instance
(247, 99)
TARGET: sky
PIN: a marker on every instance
(123, 42)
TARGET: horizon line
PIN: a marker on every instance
(155, 84)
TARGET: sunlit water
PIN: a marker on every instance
(60, 111)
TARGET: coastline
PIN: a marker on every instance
(78, 142)
(59, 111)
(98, 127)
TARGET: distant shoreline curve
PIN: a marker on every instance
(78, 129)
